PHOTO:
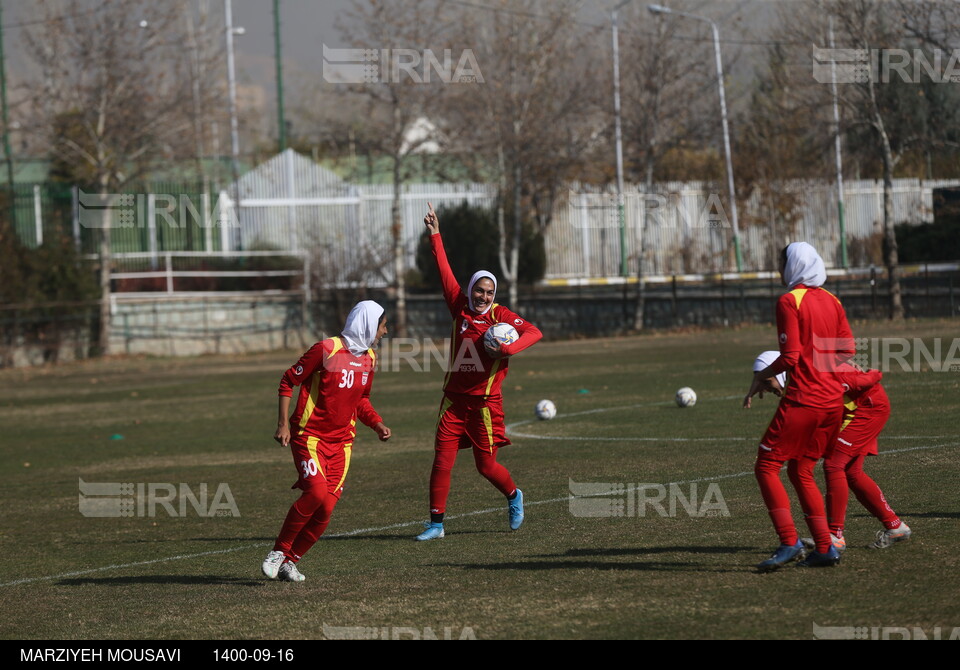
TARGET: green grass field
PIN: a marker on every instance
(209, 421)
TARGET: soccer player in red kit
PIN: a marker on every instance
(867, 412)
(335, 377)
(471, 412)
(814, 336)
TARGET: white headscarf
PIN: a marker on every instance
(764, 360)
(804, 266)
(477, 276)
(362, 325)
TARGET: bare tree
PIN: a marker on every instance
(535, 119)
(669, 102)
(111, 99)
(871, 102)
(932, 22)
(865, 24)
(404, 35)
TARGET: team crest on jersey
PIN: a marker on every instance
(517, 322)
(783, 338)
(363, 378)
(298, 370)
(466, 323)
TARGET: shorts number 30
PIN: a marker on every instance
(309, 467)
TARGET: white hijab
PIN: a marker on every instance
(804, 266)
(362, 325)
(764, 360)
(477, 276)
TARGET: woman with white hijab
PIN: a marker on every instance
(335, 378)
(471, 412)
(814, 336)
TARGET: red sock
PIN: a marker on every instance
(767, 471)
(838, 491)
(800, 472)
(313, 529)
(870, 495)
(301, 511)
(495, 473)
(443, 461)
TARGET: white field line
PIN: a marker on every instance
(407, 524)
(511, 429)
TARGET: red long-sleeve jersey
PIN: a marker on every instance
(472, 370)
(862, 393)
(859, 385)
(334, 391)
(814, 337)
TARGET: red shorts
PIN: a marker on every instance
(471, 421)
(320, 463)
(860, 435)
(797, 431)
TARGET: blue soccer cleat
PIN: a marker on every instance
(515, 510)
(817, 560)
(783, 555)
(434, 531)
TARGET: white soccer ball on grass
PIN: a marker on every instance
(686, 397)
(545, 410)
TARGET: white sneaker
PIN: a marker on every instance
(271, 564)
(289, 573)
(886, 538)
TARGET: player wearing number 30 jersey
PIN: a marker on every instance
(335, 377)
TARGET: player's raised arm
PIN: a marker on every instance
(431, 220)
(451, 288)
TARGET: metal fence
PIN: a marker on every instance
(347, 229)
(683, 227)
(294, 206)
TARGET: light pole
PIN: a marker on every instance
(659, 9)
(281, 122)
(621, 217)
(232, 88)
(838, 147)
